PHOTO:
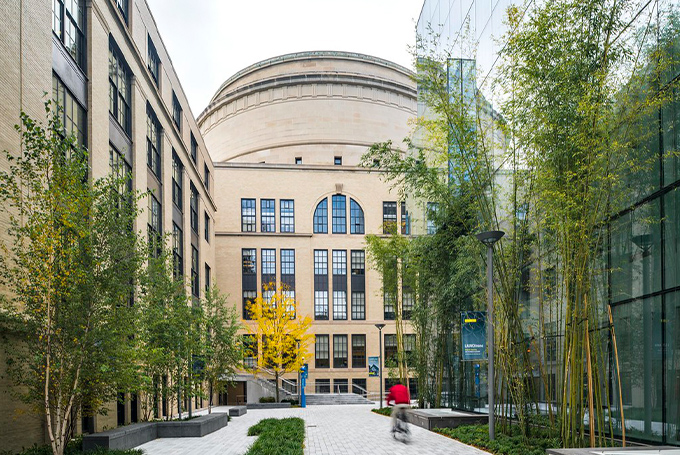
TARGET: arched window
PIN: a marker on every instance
(356, 218)
(321, 218)
(339, 214)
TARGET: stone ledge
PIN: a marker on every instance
(268, 405)
(443, 418)
(237, 411)
(658, 450)
(134, 435)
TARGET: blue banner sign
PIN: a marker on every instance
(373, 366)
(473, 334)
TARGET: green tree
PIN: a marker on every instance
(70, 269)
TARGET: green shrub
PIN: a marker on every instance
(386, 411)
(267, 400)
(514, 444)
(278, 436)
(75, 447)
(292, 401)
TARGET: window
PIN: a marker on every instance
(193, 208)
(71, 114)
(298, 160)
(123, 8)
(340, 385)
(207, 278)
(154, 63)
(321, 217)
(268, 262)
(248, 299)
(390, 347)
(268, 215)
(249, 261)
(119, 87)
(358, 351)
(176, 111)
(337, 160)
(389, 217)
(322, 386)
(339, 351)
(120, 169)
(320, 262)
(359, 386)
(177, 171)
(358, 306)
(287, 262)
(153, 141)
(154, 226)
(206, 177)
(389, 306)
(68, 23)
(339, 214)
(339, 262)
(340, 305)
(409, 345)
(431, 215)
(287, 215)
(206, 226)
(194, 148)
(407, 303)
(356, 218)
(177, 251)
(247, 215)
(358, 262)
(321, 305)
(250, 350)
(405, 220)
(194, 272)
(321, 352)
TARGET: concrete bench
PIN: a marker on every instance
(236, 411)
(268, 405)
(134, 435)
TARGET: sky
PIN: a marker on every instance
(210, 40)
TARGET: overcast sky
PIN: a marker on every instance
(209, 40)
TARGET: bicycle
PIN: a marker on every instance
(400, 430)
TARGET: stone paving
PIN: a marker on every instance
(341, 430)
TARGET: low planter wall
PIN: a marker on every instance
(268, 405)
(134, 435)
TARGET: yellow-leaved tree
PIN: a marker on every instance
(281, 334)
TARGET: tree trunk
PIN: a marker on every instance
(276, 375)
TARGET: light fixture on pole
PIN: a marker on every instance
(380, 367)
(489, 238)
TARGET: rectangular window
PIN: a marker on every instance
(177, 251)
(389, 217)
(268, 215)
(405, 220)
(298, 160)
(120, 169)
(119, 87)
(358, 262)
(337, 160)
(321, 352)
(320, 262)
(287, 262)
(207, 278)
(123, 8)
(340, 305)
(322, 386)
(193, 208)
(249, 264)
(177, 183)
(194, 148)
(206, 177)
(153, 141)
(409, 344)
(358, 351)
(339, 214)
(176, 111)
(206, 226)
(248, 215)
(287, 215)
(359, 386)
(339, 262)
(68, 24)
(431, 214)
(195, 282)
(250, 350)
(407, 303)
(389, 306)
(390, 347)
(340, 385)
(154, 226)
(268, 262)
(358, 306)
(71, 114)
(321, 305)
(248, 299)
(339, 351)
(154, 62)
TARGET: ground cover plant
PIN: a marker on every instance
(280, 436)
(74, 447)
(513, 443)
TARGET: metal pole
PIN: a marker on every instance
(380, 365)
(299, 381)
(490, 341)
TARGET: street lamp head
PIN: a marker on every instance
(488, 238)
(380, 326)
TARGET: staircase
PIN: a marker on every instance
(335, 398)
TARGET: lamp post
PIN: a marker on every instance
(489, 238)
(299, 382)
(380, 327)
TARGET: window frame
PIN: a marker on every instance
(153, 144)
(340, 347)
(339, 214)
(320, 221)
(153, 61)
(176, 111)
(193, 208)
(389, 217)
(116, 95)
(246, 224)
(356, 218)
(319, 360)
(177, 181)
(287, 215)
(267, 215)
(359, 359)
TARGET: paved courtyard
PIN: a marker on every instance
(345, 430)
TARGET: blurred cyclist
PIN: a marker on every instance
(402, 401)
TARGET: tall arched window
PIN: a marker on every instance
(356, 218)
(339, 214)
(321, 218)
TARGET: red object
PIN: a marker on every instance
(398, 394)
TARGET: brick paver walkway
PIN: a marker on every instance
(340, 430)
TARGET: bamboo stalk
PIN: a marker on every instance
(618, 376)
